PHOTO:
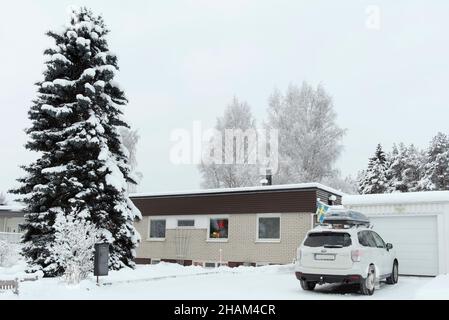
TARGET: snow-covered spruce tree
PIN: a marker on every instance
(436, 169)
(237, 116)
(375, 178)
(396, 166)
(414, 168)
(309, 137)
(82, 169)
(405, 168)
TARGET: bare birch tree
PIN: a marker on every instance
(309, 137)
(230, 173)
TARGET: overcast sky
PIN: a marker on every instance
(183, 61)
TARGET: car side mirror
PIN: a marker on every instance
(389, 246)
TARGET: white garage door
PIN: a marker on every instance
(415, 239)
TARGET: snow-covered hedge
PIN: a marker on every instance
(74, 247)
(9, 253)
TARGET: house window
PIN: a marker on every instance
(157, 229)
(210, 265)
(186, 223)
(269, 228)
(218, 229)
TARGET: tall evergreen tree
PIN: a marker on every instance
(405, 168)
(414, 160)
(436, 176)
(397, 165)
(82, 170)
(375, 178)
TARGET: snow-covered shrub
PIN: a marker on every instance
(74, 247)
(9, 253)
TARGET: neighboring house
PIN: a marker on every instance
(252, 226)
(416, 223)
(10, 218)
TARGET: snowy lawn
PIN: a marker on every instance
(170, 281)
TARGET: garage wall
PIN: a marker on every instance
(439, 210)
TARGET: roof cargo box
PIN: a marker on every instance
(345, 217)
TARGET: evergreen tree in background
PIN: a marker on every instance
(82, 169)
(414, 160)
(436, 175)
(375, 179)
(397, 165)
(405, 168)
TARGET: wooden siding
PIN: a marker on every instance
(260, 201)
(291, 201)
(324, 197)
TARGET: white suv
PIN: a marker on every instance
(355, 254)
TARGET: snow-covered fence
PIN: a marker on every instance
(10, 285)
(10, 237)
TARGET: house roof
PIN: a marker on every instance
(11, 208)
(273, 188)
(11, 211)
(396, 198)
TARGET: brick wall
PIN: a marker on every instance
(240, 247)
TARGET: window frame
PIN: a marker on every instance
(149, 238)
(268, 240)
(367, 234)
(312, 234)
(208, 238)
(376, 235)
(216, 264)
(185, 227)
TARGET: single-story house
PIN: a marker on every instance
(252, 226)
(416, 223)
(10, 218)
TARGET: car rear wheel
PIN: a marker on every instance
(307, 285)
(394, 277)
(367, 286)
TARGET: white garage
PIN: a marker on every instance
(415, 241)
(416, 224)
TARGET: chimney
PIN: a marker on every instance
(268, 179)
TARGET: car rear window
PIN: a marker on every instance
(321, 239)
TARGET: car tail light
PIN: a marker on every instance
(299, 255)
(356, 255)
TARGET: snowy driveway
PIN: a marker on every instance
(167, 281)
(256, 286)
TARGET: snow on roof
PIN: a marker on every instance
(11, 208)
(242, 189)
(396, 198)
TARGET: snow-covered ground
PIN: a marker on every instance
(171, 281)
